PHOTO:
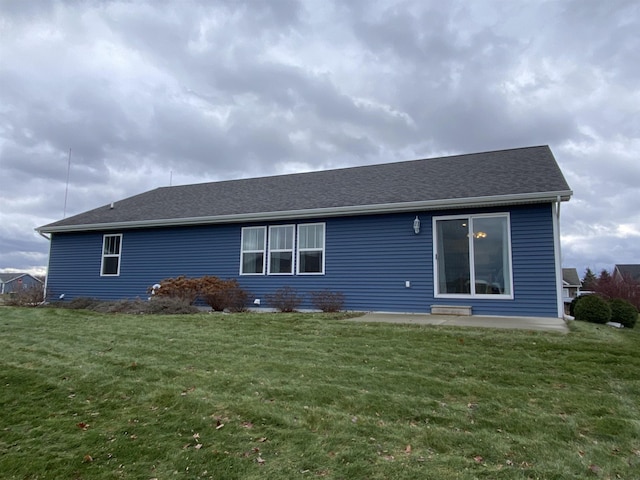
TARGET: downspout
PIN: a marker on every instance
(46, 277)
(558, 256)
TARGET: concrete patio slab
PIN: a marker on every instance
(519, 323)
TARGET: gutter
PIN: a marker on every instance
(498, 200)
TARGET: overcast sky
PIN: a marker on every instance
(149, 93)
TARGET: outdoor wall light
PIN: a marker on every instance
(416, 225)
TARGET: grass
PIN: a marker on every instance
(93, 396)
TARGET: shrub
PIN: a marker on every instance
(217, 293)
(286, 299)
(169, 306)
(594, 309)
(80, 303)
(327, 301)
(623, 312)
(31, 296)
(223, 294)
(157, 305)
(183, 288)
(572, 305)
(120, 306)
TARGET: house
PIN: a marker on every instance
(476, 233)
(570, 286)
(627, 273)
(12, 282)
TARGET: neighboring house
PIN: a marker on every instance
(12, 282)
(627, 273)
(570, 286)
(478, 231)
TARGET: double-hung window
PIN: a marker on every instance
(473, 256)
(281, 249)
(311, 248)
(253, 247)
(111, 250)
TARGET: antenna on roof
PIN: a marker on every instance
(170, 178)
(66, 189)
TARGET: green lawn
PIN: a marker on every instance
(91, 396)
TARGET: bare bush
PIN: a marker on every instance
(327, 301)
(79, 303)
(612, 287)
(157, 305)
(285, 299)
(223, 295)
(30, 296)
(169, 306)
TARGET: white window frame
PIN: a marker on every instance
(470, 218)
(111, 255)
(280, 250)
(263, 250)
(314, 249)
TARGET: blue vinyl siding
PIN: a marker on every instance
(368, 258)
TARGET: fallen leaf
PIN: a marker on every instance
(247, 424)
(198, 446)
(188, 390)
(478, 459)
(262, 439)
(87, 458)
(260, 460)
(407, 449)
(196, 435)
(82, 425)
(219, 426)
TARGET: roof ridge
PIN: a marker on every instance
(353, 167)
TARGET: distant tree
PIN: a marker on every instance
(589, 281)
(604, 278)
(612, 288)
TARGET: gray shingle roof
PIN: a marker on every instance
(517, 175)
(570, 275)
(631, 271)
(9, 277)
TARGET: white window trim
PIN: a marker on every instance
(469, 217)
(110, 255)
(323, 249)
(263, 251)
(270, 250)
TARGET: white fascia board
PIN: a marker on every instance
(498, 200)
